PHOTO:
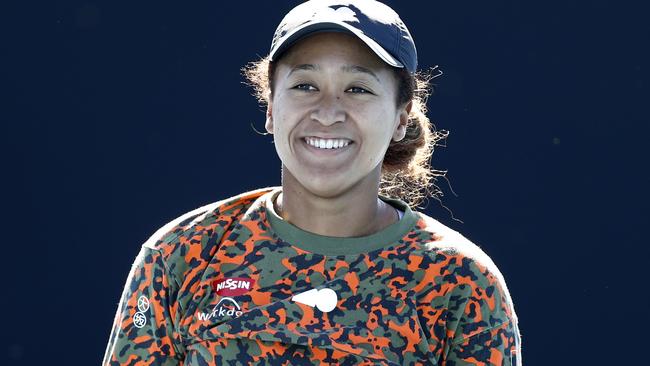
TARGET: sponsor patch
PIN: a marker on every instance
(226, 307)
(232, 286)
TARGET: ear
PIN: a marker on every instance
(269, 118)
(403, 116)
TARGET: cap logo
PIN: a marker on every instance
(342, 12)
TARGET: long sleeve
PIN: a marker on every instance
(143, 329)
(495, 346)
(481, 323)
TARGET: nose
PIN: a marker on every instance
(329, 110)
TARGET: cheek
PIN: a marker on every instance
(376, 138)
(379, 127)
(286, 116)
(280, 137)
(282, 127)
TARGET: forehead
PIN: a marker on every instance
(333, 47)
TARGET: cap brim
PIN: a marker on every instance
(317, 27)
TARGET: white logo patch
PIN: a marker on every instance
(324, 299)
(139, 320)
(220, 311)
(143, 303)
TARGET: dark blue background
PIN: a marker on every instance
(117, 117)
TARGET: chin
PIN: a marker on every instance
(326, 187)
(319, 183)
(333, 183)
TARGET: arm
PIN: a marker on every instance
(143, 331)
(482, 325)
(495, 346)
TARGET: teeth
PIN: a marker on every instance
(327, 143)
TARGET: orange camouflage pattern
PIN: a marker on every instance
(430, 298)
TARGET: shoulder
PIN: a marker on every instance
(463, 268)
(477, 298)
(203, 218)
(188, 240)
(434, 238)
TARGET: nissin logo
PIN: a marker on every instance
(232, 286)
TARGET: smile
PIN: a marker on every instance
(321, 143)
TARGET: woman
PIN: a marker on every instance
(333, 267)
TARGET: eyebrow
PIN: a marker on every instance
(346, 68)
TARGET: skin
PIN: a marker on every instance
(334, 192)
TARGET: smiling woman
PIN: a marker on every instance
(405, 170)
(334, 266)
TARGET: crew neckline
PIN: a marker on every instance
(336, 246)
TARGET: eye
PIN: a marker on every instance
(359, 90)
(305, 87)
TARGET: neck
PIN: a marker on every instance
(355, 212)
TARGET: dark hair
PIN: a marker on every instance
(406, 169)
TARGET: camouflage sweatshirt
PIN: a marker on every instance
(232, 283)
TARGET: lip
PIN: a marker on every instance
(327, 137)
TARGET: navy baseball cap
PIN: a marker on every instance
(376, 24)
